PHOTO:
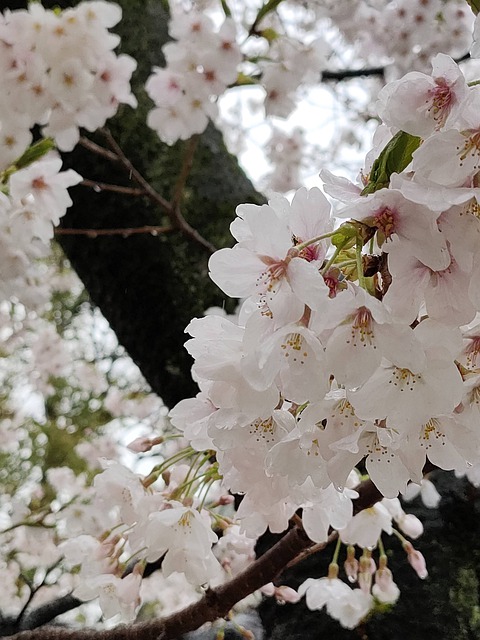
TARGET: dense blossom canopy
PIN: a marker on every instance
(355, 345)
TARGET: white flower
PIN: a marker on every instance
(265, 264)
(47, 185)
(366, 527)
(351, 609)
(186, 537)
(420, 104)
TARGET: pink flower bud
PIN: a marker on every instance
(411, 526)
(351, 564)
(417, 560)
(140, 445)
(384, 578)
(286, 594)
(268, 589)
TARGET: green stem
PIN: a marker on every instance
(397, 533)
(337, 551)
(159, 469)
(347, 263)
(179, 490)
(358, 252)
(206, 489)
(307, 243)
(334, 257)
(381, 548)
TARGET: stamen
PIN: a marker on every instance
(404, 379)
(384, 220)
(293, 346)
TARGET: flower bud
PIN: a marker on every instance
(351, 564)
(285, 594)
(417, 560)
(411, 526)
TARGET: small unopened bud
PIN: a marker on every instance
(411, 526)
(143, 444)
(351, 564)
(385, 589)
(268, 589)
(285, 594)
(417, 560)
(367, 568)
(383, 577)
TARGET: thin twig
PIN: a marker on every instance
(174, 213)
(347, 74)
(216, 604)
(187, 162)
(320, 546)
(98, 150)
(94, 233)
(134, 173)
(32, 592)
(103, 186)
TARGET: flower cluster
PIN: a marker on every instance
(131, 522)
(201, 63)
(357, 344)
(409, 32)
(59, 70)
(37, 199)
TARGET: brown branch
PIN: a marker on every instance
(320, 546)
(173, 212)
(215, 604)
(126, 232)
(134, 173)
(97, 149)
(347, 74)
(103, 186)
(184, 172)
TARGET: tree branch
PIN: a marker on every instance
(103, 186)
(216, 603)
(172, 211)
(125, 232)
(347, 74)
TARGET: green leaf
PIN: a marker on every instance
(394, 158)
(267, 8)
(243, 79)
(269, 34)
(474, 5)
(35, 152)
(226, 8)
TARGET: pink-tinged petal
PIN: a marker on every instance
(399, 344)
(270, 235)
(447, 298)
(387, 472)
(310, 214)
(236, 271)
(454, 168)
(439, 449)
(339, 188)
(351, 358)
(406, 293)
(307, 283)
(284, 305)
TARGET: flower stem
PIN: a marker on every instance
(358, 252)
